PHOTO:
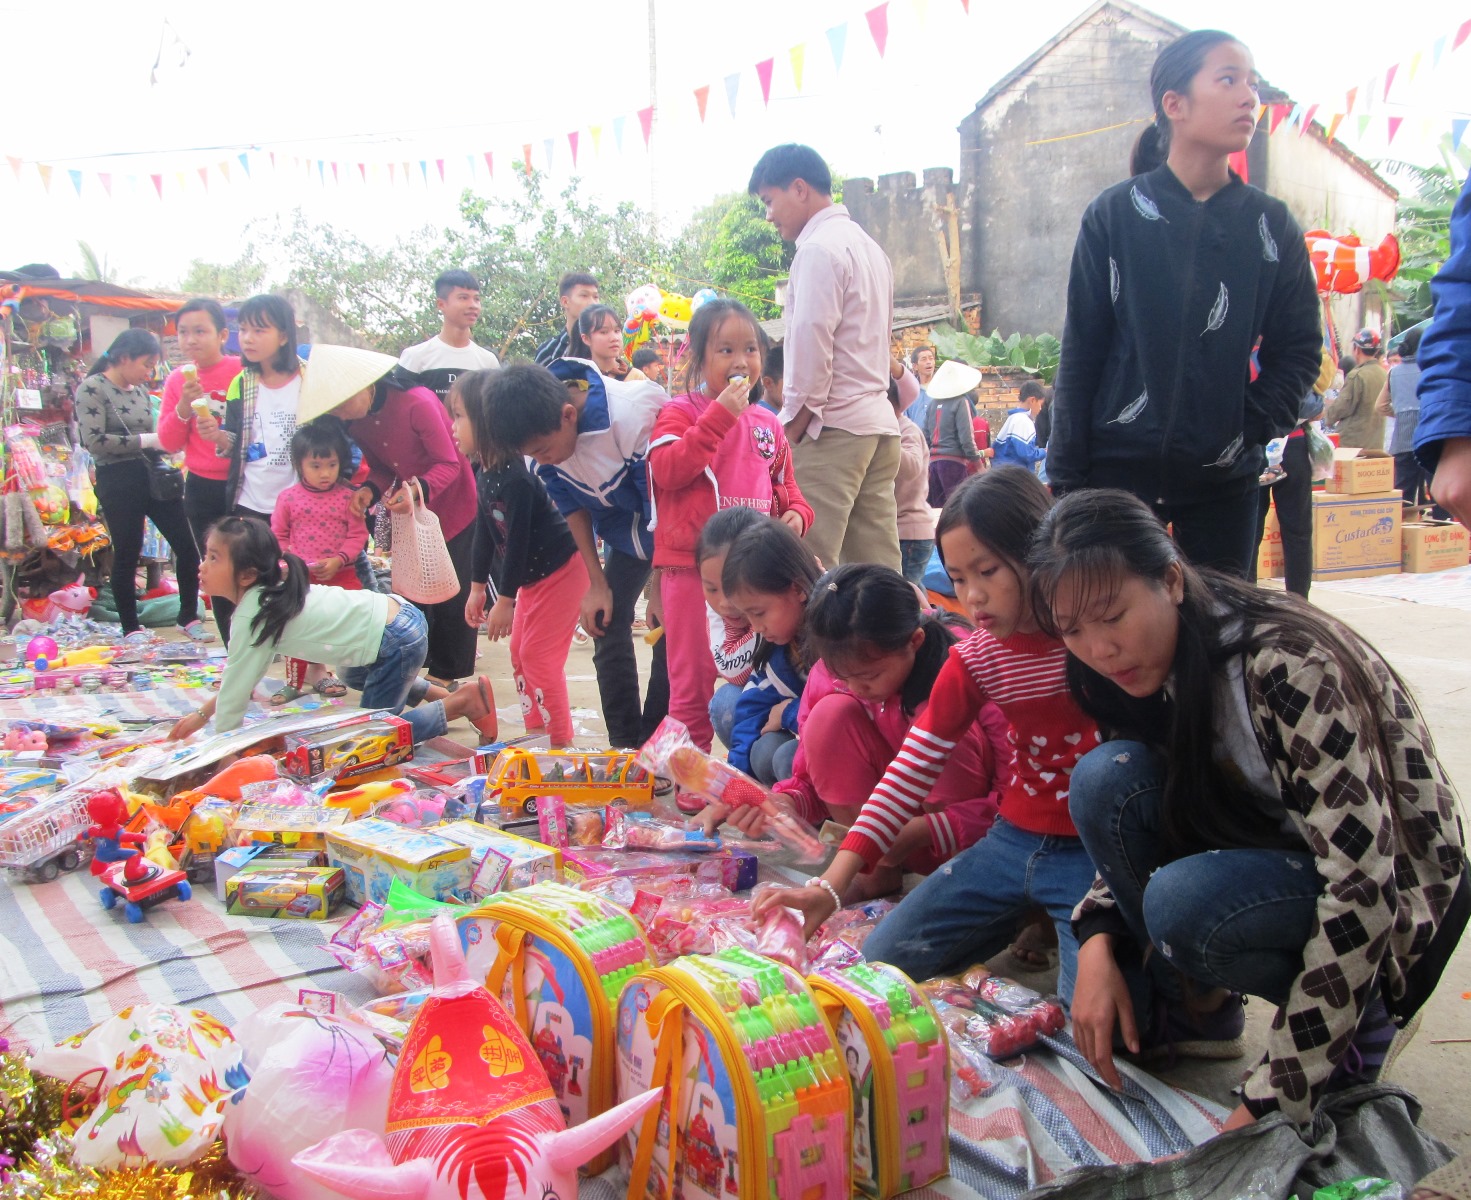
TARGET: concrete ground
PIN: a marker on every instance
(1431, 648)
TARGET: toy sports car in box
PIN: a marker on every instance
(263, 890)
(351, 750)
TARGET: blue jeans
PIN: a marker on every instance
(386, 681)
(1235, 919)
(915, 556)
(722, 710)
(967, 911)
(772, 757)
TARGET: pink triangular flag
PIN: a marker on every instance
(1307, 119)
(106, 181)
(965, 4)
(439, 162)
(392, 169)
(1353, 94)
(702, 98)
(1278, 112)
(878, 25)
(204, 177)
(489, 164)
(646, 122)
(1389, 79)
(334, 172)
(157, 184)
(1394, 124)
(1461, 35)
(572, 142)
(15, 164)
(526, 158)
(363, 172)
(763, 73)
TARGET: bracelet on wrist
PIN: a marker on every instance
(819, 881)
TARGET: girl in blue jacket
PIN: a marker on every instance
(769, 575)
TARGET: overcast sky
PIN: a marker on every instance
(375, 82)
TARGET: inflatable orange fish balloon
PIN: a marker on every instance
(1342, 265)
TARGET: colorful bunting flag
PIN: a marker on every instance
(618, 123)
(106, 180)
(1278, 112)
(732, 88)
(596, 133)
(1461, 35)
(1458, 131)
(878, 25)
(1353, 94)
(921, 12)
(1394, 124)
(1437, 50)
(424, 170)
(204, 177)
(1363, 125)
(14, 164)
(646, 122)
(1389, 78)
(798, 55)
(179, 179)
(439, 162)
(334, 172)
(1307, 119)
(489, 164)
(1296, 115)
(1333, 125)
(363, 173)
(965, 4)
(763, 73)
(837, 38)
(572, 141)
(76, 177)
(702, 98)
(244, 164)
(549, 146)
(1414, 64)
(224, 166)
(526, 158)
(157, 184)
(392, 172)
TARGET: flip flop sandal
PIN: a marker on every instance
(330, 687)
(487, 726)
(287, 694)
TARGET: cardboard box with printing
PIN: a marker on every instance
(1360, 472)
(1435, 548)
(1355, 536)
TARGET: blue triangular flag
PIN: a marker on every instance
(1295, 116)
(1458, 131)
(76, 180)
(550, 144)
(618, 132)
(1438, 51)
(732, 86)
(424, 170)
(321, 172)
(245, 162)
(837, 38)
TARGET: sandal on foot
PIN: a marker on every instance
(330, 687)
(487, 726)
(195, 631)
(287, 694)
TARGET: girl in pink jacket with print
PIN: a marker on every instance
(712, 448)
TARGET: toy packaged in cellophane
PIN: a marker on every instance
(557, 958)
(757, 1103)
(898, 1064)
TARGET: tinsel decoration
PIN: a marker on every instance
(30, 1106)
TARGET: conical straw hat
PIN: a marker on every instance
(337, 373)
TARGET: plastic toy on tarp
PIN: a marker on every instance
(160, 1078)
(471, 1113)
(671, 752)
(639, 831)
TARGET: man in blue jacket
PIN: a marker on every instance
(1443, 438)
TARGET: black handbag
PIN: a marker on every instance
(165, 481)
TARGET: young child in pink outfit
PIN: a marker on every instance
(315, 520)
(712, 448)
(880, 654)
(528, 580)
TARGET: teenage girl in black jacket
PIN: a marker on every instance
(1178, 274)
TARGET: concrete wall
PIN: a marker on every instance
(1027, 200)
(1326, 188)
(904, 217)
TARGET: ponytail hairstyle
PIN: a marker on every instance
(589, 320)
(282, 577)
(128, 345)
(1097, 541)
(722, 529)
(1002, 508)
(861, 611)
(1174, 70)
(769, 558)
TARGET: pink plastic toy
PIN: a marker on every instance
(22, 738)
(471, 1114)
(41, 652)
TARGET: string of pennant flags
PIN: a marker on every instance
(1365, 104)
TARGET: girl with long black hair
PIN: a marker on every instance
(1178, 275)
(1267, 816)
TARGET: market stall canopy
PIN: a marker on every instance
(86, 291)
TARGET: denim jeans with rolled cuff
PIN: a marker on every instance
(386, 681)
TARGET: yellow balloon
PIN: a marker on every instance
(675, 310)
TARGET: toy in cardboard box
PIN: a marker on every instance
(373, 853)
(756, 1102)
(502, 861)
(898, 1066)
(558, 959)
(265, 889)
(349, 751)
(300, 825)
(519, 778)
(471, 1114)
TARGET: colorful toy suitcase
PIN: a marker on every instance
(898, 1062)
(757, 1104)
(558, 958)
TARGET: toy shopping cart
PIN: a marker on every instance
(45, 840)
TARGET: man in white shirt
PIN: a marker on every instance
(440, 360)
(839, 311)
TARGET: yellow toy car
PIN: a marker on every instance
(353, 748)
(519, 778)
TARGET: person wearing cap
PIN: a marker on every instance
(953, 451)
(405, 435)
(1443, 434)
(1353, 411)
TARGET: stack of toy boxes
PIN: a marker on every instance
(373, 853)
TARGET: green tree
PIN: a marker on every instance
(246, 276)
(746, 256)
(1423, 226)
(95, 267)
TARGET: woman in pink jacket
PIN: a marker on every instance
(880, 654)
(712, 448)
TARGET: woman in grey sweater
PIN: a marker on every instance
(115, 416)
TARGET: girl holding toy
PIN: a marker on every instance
(768, 577)
(732, 640)
(1032, 856)
(380, 639)
(1271, 820)
(879, 655)
(317, 520)
(712, 448)
(525, 553)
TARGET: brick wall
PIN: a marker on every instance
(999, 385)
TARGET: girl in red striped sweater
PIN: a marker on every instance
(967, 911)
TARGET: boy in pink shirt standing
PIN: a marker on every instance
(315, 519)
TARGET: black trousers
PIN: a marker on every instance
(451, 641)
(630, 723)
(122, 493)
(1293, 495)
(1220, 531)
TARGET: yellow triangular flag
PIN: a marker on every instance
(225, 170)
(1414, 65)
(45, 175)
(921, 12)
(798, 56)
(179, 176)
(596, 133)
